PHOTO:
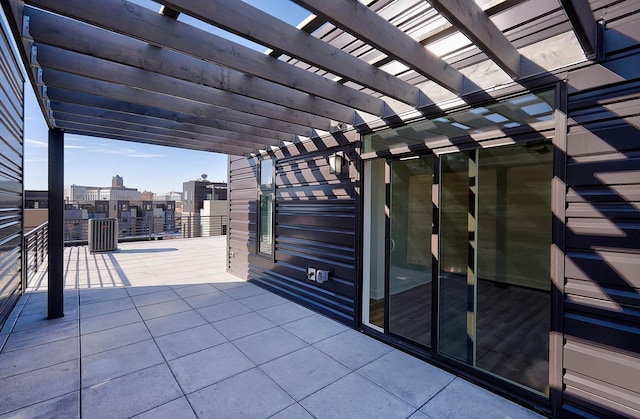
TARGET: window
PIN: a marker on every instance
(265, 208)
(266, 172)
(265, 234)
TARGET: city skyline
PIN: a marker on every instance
(94, 161)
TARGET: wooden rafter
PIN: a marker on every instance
(219, 119)
(362, 22)
(67, 36)
(236, 132)
(251, 23)
(107, 131)
(135, 82)
(152, 28)
(475, 24)
(584, 25)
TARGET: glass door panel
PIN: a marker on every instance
(494, 283)
(374, 240)
(454, 336)
(410, 226)
(513, 287)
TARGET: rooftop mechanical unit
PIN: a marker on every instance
(103, 234)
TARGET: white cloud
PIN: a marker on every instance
(36, 143)
(145, 156)
(124, 152)
(75, 146)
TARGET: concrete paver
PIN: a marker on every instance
(159, 330)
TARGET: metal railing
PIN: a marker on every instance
(35, 245)
(150, 228)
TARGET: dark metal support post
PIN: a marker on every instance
(56, 224)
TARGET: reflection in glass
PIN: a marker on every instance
(411, 215)
(453, 336)
(265, 235)
(494, 286)
(514, 238)
(374, 242)
(511, 113)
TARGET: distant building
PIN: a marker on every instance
(117, 182)
(36, 204)
(146, 196)
(195, 193)
(117, 191)
(169, 196)
(36, 199)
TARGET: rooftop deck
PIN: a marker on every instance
(159, 329)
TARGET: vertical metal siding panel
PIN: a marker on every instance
(315, 226)
(242, 215)
(11, 174)
(602, 277)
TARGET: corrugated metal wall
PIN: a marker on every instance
(241, 232)
(315, 226)
(601, 357)
(11, 175)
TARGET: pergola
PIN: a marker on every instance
(113, 69)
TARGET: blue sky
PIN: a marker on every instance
(94, 161)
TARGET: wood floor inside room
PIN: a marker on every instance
(512, 326)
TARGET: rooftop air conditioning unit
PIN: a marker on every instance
(103, 234)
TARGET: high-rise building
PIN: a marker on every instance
(117, 182)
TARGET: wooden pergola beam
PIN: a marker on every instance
(171, 94)
(253, 24)
(111, 133)
(365, 24)
(92, 67)
(584, 25)
(253, 138)
(476, 25)
(152, 28)
(156, 132)
(219, 119)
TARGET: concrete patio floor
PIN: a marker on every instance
(160, 330)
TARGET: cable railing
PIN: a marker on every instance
(151, 228)
(35, 247)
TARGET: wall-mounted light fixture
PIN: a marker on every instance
(337, 163)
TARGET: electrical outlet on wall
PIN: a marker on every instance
(311, 274)
(322, 276)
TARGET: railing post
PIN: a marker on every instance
(35, 257)
(25, 255)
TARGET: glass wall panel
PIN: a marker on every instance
(374, 242)
(454, 338)
(411, 215)
(265, 235)
(509, 113)
(513, 285)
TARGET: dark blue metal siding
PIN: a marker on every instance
(241, 231)
(315, 226)
(11, 175)
(601, 356)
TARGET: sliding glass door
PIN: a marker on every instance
(483, 258)
(398, 257)
(494, 284)
(410, 226)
